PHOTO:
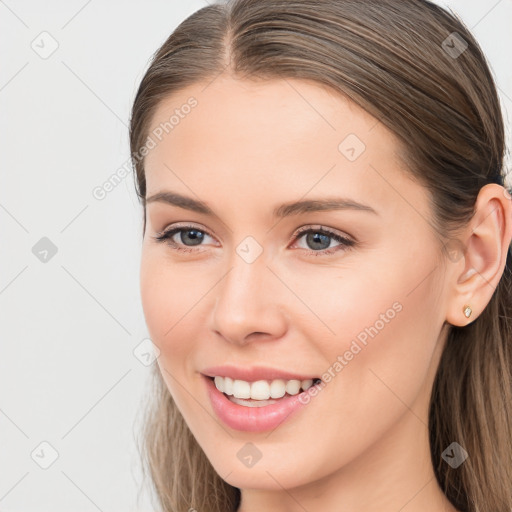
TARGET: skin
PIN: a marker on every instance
(247, 147)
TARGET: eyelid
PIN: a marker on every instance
(319, 227)
(346, 242)
(168, 232)
(183, 225)
(296, 233)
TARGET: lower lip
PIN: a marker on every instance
(252, 419)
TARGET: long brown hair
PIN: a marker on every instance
(417, 69)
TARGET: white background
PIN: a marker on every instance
(68, 374)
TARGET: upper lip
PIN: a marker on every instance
(253, 373)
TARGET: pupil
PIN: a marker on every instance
(196, 237)
(313, 238)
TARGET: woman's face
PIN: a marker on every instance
(248, 290)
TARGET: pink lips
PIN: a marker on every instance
(253, 373)
(252, 419)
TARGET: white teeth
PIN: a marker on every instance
(260, 389)
(252, 403)
(306, 384)
(292, 387)
(241, 389)
(277, 388)
(228, 385)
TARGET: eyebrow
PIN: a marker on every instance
(284, 210)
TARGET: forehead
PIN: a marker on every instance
(254, 111)
(284, 137)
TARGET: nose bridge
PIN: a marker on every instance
(246, 299)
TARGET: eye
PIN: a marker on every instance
(318, 238)
(187, 234)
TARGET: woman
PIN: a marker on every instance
(326, 264)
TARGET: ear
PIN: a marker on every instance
(486, 241)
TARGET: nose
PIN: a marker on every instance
(248, 304)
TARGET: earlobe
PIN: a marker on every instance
(486, 241)
(467, 310)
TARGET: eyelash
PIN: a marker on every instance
(346, 243)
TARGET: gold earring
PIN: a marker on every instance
(467, 311)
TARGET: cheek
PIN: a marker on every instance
(155, 302)
(166, 296)
(166, 299)
(387, 323)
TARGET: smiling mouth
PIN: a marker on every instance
(257, 411)
(263, 392)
